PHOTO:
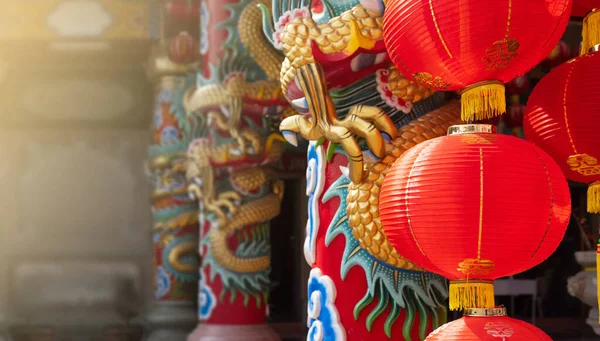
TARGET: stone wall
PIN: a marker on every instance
(75, 231)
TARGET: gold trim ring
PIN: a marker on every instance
(478, 84)
(471, 129)
(483, 312)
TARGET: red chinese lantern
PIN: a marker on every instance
(183, 49)
(562, 118)
(472, 46)
(582, 7)
(448, 205)
(566, 126)
(487, 325)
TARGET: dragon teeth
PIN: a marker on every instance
(291, 137)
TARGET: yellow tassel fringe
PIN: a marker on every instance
(481, 102)
(593, 197)
(471, 294)
(591, 31)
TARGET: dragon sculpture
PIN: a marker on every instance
(336, 73)
(228, 166)
(175, 214)
(328, 60)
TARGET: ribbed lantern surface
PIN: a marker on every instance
(476, 328)
(472, 45)
(474, 207)
(563, 118)
(582, 7)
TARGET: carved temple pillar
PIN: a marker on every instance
(175, 215)
(359, 114)
(238, 95)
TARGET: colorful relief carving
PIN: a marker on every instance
(392, 281)
(175, 214)
(323, 318)
(239, 96)
(345, 38)
(206, 299)
(360, 115)
(315, 183)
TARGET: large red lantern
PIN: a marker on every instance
(472, 46)
(582, 7)
(449, 206)
(487, 325)
(562, 118)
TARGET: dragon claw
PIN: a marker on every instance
(345, 171)
(370, 157)
(367, 122)
(290, 137)
(300, 105)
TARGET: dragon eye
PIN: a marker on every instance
(319, 11)
(317, 7)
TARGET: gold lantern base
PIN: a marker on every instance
(486, 312)
(471, 129)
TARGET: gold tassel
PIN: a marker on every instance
(482, 101)
(591, 31)
(593, 197)
(467, 294)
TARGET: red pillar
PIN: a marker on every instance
(175, 214)
(229, 164)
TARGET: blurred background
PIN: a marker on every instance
(75, 233)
